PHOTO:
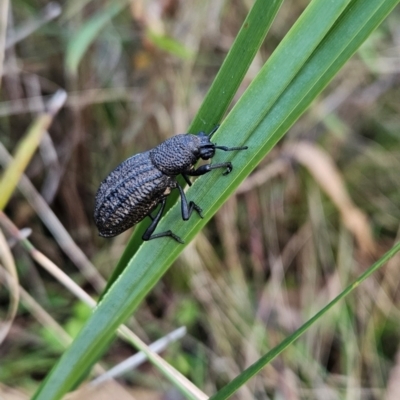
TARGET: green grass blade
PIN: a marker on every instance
(237, 62)
(218, 98)
(306, 60)
(84, 37)
(170, 45)
(241, 379)
(356, 23)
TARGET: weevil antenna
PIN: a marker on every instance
(225, 148)
(213, 131)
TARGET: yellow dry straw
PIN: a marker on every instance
(27, 147)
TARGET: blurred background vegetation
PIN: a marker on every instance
(320, 208)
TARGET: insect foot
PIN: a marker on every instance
(143, 182)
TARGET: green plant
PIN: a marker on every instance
(321, 41)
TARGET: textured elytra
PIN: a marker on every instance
(129, 193)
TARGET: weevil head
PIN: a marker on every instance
(206, 148)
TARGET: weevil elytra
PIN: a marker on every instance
(139, 184)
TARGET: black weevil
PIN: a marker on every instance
(142, 182)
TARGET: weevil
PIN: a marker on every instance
(142, 182)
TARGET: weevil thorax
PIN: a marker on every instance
(181, 152)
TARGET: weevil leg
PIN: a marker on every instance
(187, 209)
(186, 178)
(149, 233)
(204, 169)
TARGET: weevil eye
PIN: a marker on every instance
(207, 152)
